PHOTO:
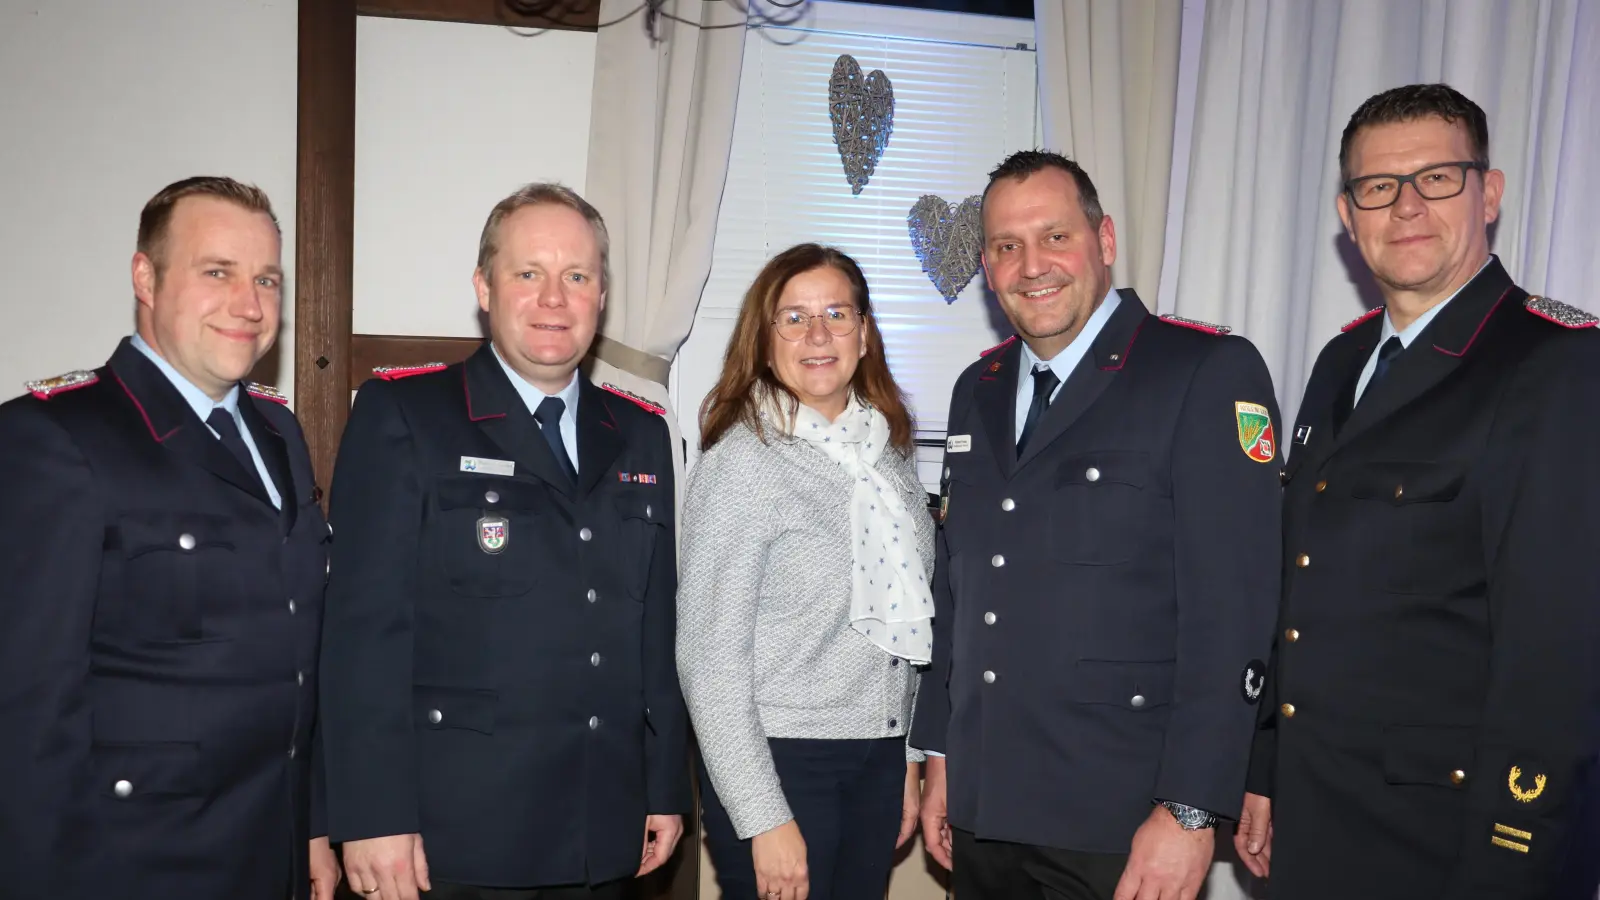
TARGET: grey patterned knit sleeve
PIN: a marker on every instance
(726, 529)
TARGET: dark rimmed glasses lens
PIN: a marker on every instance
(1436, 182)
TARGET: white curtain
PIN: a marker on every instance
(659, 138)
(1262, 249)
(1108, 81)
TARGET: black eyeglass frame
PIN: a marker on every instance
(1402, 180)
(861, 318)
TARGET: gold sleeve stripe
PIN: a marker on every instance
(1513, 832)
(1509, 845)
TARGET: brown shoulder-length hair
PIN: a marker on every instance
(747, 366)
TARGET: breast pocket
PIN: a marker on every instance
(1414, 509)
(486, 533)
(643, 520)
(1099, 507)
(171, 562)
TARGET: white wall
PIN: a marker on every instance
(103, 103)
(451, 118)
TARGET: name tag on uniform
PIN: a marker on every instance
(958, 443)
(487, 466)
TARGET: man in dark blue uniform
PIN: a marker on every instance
(1433, 721)
(161, 575)
(1105, 572)
(503, 716)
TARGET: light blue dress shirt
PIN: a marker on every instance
(1062, 363)
(203, 405)
(532, 397)
(1407, 336)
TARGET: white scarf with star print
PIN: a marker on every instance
(891, 603)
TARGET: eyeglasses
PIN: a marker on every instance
(793, 324)
(1437, 182)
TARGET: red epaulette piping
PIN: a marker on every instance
(393, 373)
(46, 388)
(633, 398)
(1362, 318)
(266, 392)
(1195, 324)
(1000, 346)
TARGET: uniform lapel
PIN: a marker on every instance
(172, 422)
(275, 455)
(1092, 375)
(995, 398)
(1436, 352)
(496, 407)
(599, 437)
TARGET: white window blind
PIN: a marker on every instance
(965, 97)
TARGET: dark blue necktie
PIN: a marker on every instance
(221, 421)
(1386, 354)
(1044, 384)
(549, 416)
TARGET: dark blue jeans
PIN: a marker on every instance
(845, 796)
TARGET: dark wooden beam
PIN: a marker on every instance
(325, 199)
(564, 15)
(368, 351)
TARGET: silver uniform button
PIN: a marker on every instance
(584, 534)
(1137, 700)
(988, 678)
(291, 606)
(594, 659)
(947, 471)
(186, 541)
(122, 788)
(997, 561)
(1092, 474)
(591, 596)
(647, 511)
(300, 679)
(594, 722)
(435, 716)
(291, 753)
(988, 618)
(491, 496)
(1008, 504)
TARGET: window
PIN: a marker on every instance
(965, 96)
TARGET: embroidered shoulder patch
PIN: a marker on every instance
(1000, 346)
(392, 373)
(1196, 324)
(1255, 431)
(633, 398)
(46, 388)
(1560, 313)
(266, 392)
(1362, 318)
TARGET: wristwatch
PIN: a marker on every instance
(1190, 818)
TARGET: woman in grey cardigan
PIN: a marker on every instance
(804, 600)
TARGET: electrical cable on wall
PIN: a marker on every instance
(654, 12)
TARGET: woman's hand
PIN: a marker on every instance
(780, 858)
(911, 805)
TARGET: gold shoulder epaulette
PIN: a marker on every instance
(1560, 313)
(46, 388)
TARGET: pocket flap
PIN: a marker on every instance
(133, 770)
(1131, 685)
(1414, 754)
(489, 492)
(1105, 467)
(641, 504)
(138, 533)
(447, 707)
(1403, 482)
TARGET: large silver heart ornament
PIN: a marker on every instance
(862, 110)
(948, 240)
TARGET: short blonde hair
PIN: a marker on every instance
(543, 193)
(156, 217)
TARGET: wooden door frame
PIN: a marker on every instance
(330, 361)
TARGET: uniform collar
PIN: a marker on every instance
(198, 400)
